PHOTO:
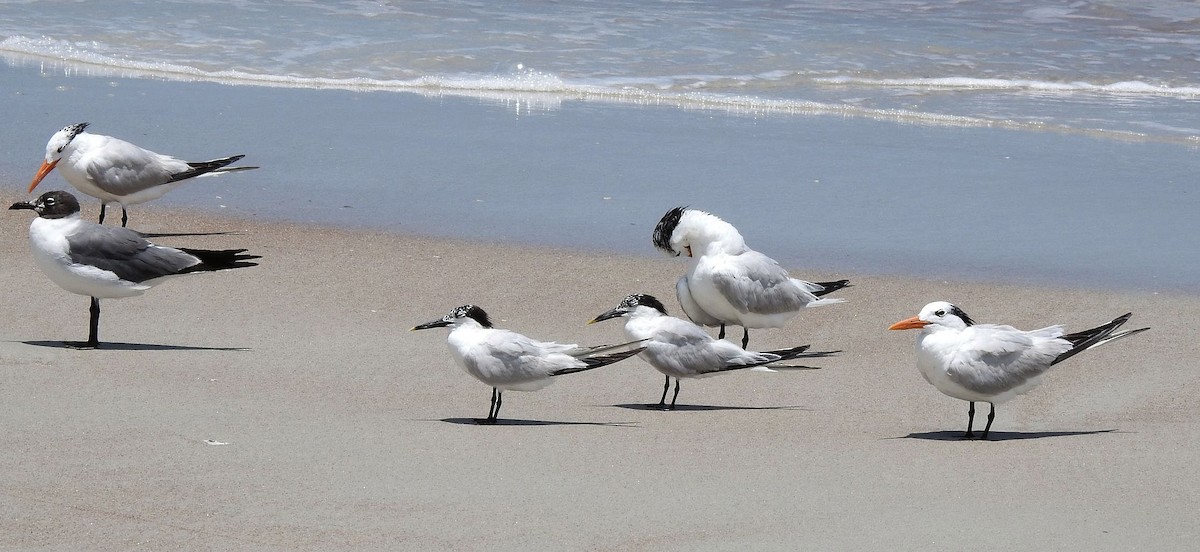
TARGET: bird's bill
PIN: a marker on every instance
(23, 205)
(913, 323)
(47, 166)
(614, 313)
(439, 323)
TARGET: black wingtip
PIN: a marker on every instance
(831, 287)
(1080, 341)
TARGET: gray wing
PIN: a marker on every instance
(753, 282)
(1002, 358)
(690, 308)
(124, 253)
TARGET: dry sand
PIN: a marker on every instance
(341, 430)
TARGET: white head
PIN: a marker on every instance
(54, 151)
(936, 315)
(691, 232)
(638, 304)
(466, 315)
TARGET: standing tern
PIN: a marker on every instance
(680, 349)
(116, 171)
(990, 362)
(106, 262)
(509, 361)
(729, 283)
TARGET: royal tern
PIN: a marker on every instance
(116, 171)
(106, 262)
(993, 363)
(509, 361)
(729, 283)
(680, 349)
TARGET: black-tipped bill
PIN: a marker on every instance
(23, 205)
(439, 323)
(614, 313)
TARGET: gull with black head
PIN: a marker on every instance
(115, 171)
(729, 283)
(509, 361)
(993, 363)
(680, 349)
(106, 262)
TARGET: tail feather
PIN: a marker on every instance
(203, 167)
(595, 350)
(1086, 339)
(830, 287)
(779, 356)
(592, 362)
(225, 259)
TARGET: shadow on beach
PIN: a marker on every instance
(503, 422)
(704, 408)
(109, 346)
(1000, 435)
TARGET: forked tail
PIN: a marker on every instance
(1095, 337)
(598, 361)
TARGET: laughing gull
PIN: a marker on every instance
(680, 349)
(106, 262)
(993, 363)
(116, 171)
(509, 361)
(729, 283)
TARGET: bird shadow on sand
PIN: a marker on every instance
(999, 435)
(504, 422)
(109, 346)
(703, 407)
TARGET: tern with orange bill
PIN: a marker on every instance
(115, 171)
(993, 363)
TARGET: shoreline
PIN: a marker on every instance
(287, 407)
(859, 195)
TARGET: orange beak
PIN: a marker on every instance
(909, 324)
(688, 248)
(47, 166)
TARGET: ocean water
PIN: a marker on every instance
(990, 139)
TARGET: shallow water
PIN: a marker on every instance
(857, 195)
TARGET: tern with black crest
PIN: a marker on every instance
(729, 283)
(993, 363)
(106, 262)
(680, 349)
(509, 361)
(115, 171)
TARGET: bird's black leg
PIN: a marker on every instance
(93, 328)
(745, 336)
(991, 416)
(492, 410)
(676, 395)
(721, 334)
(102, 206)
(662, 402)
(499, 401)
(124, 216)
(970, 421)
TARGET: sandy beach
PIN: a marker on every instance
(288, 407)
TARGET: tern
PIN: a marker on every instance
(115, 171)
(106, 262)
(729, 283)
(993, 363)
(680, 349)
(509, 361)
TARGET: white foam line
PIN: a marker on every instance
(969, 83)
(531, 88)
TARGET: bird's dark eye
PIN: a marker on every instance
(940, 313)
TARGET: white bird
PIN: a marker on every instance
(680, 349)
(990, 362)
(509, 361)
(729, 283)
(116, 171)
(106, 262)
